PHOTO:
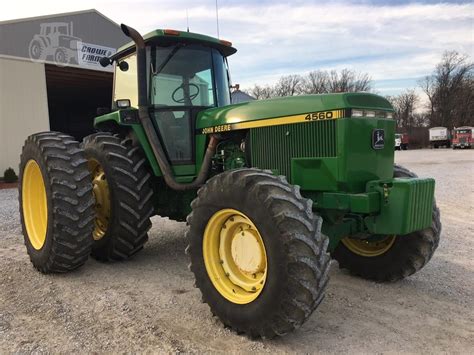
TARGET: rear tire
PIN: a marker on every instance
(406, 255)
(36, 50)
(298, 264)
(129, 196)
(56, 202)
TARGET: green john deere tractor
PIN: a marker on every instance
(270, 190)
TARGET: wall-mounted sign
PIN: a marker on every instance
(90, 54)
(74, 39)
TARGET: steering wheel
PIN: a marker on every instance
(183, 99)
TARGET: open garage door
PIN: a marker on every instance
(73, 98)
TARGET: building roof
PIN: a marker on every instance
(46, 17)
(238, 97)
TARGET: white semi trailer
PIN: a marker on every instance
(439, 137)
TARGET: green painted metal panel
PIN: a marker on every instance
(314, 174)
(364, 203)
(287, 106)
(112, 116)
(358, 161)
(407, 207)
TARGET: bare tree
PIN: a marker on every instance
(315, 82)
(421, 119)
(404, 105)
(348, 81)
(450, 91)
(288, 85)
(261, 92)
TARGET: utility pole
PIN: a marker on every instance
(187, 19)
(217, 19)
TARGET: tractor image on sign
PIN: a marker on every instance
(270, 189)
(55, 41)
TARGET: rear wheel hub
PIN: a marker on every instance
(100, 188)
(35, 206)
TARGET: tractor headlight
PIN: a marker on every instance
(357, 113)
(370, 113)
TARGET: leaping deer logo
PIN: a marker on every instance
(378, 139)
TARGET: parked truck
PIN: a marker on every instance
(439, 137)
(462, 137)
(401, 141)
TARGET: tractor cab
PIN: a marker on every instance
(55, 28)
(186, 74)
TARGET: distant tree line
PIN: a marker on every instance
(315, 82)
(450, 92)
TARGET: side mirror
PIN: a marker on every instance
(123, 65)
(123, 103)
(104, 61)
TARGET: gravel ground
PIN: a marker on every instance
(149, 303)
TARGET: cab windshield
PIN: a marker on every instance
(185, 79)
(188, 75)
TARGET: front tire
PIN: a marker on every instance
(394, 257)
(123, 192)
(257, 252)
(61, 57)
(56, 202)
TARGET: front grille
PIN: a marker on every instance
(273, 147)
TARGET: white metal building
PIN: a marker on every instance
(50, 78)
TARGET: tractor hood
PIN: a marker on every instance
(288, 107)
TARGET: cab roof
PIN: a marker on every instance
(167, 37)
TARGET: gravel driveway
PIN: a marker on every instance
(149, 303)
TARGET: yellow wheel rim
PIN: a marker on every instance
(369, 248)
(34, 204)
(100, 188)
(234, 256)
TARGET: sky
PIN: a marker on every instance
(396, 42)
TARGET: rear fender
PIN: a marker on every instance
(128, 119)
